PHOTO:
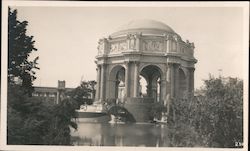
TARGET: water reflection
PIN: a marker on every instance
(105, 134)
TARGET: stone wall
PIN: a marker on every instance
(140, 108)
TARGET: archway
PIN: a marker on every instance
(152, 76)
(117, 82)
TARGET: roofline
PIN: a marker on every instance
(49, 87)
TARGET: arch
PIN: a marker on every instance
(114, 70)
(116, 82)
(160, 68)
(152, 74)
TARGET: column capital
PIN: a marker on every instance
(136, 62)
(168, 36)
(103, 64)
(127, 62)
(171, 64)
(138, 35)
(162, 81)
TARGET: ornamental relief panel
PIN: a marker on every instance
(152, 45)
(119, 46)
(100, 47)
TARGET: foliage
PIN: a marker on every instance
(221, 111)
(26, 117)
(20, 47)
(157, 110)
(82, 93)
(214, 117)
(181, 132)
(62, 115)
(31, 120)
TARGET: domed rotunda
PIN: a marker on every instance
(149, 50)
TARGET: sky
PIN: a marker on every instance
(67, 38)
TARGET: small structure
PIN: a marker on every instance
(144, 49)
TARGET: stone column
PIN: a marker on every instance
(163, 90)
(169, 43)
(154, 93)
(154, 89)
(149, 87)
(172, 81)
(188, 84)
(177, 80)
(117, 82)
(170, 85)
(127, 73)
(136, 80)
(191, 85)
(98, 83)
(102, 83)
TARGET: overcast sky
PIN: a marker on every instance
(67, 38)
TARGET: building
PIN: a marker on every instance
(54, 94)
(144, 49)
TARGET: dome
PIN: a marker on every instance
(145, 26)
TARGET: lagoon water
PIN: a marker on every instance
(106, 134)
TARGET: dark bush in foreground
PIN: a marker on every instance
(214, 118)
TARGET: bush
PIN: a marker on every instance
(157, 110)
(214, 117)
(32, 121)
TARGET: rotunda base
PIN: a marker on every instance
(140, 108)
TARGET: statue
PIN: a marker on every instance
(132, 42)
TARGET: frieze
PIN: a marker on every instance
(152, 45)
(120, 46)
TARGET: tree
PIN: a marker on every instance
(35, 122)
(214, 118)
(21, 110)
(222, 111)
(60, 123)
(28, 118)
(82, 94)
(20, 47)
(92, 85)
(31, 120)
